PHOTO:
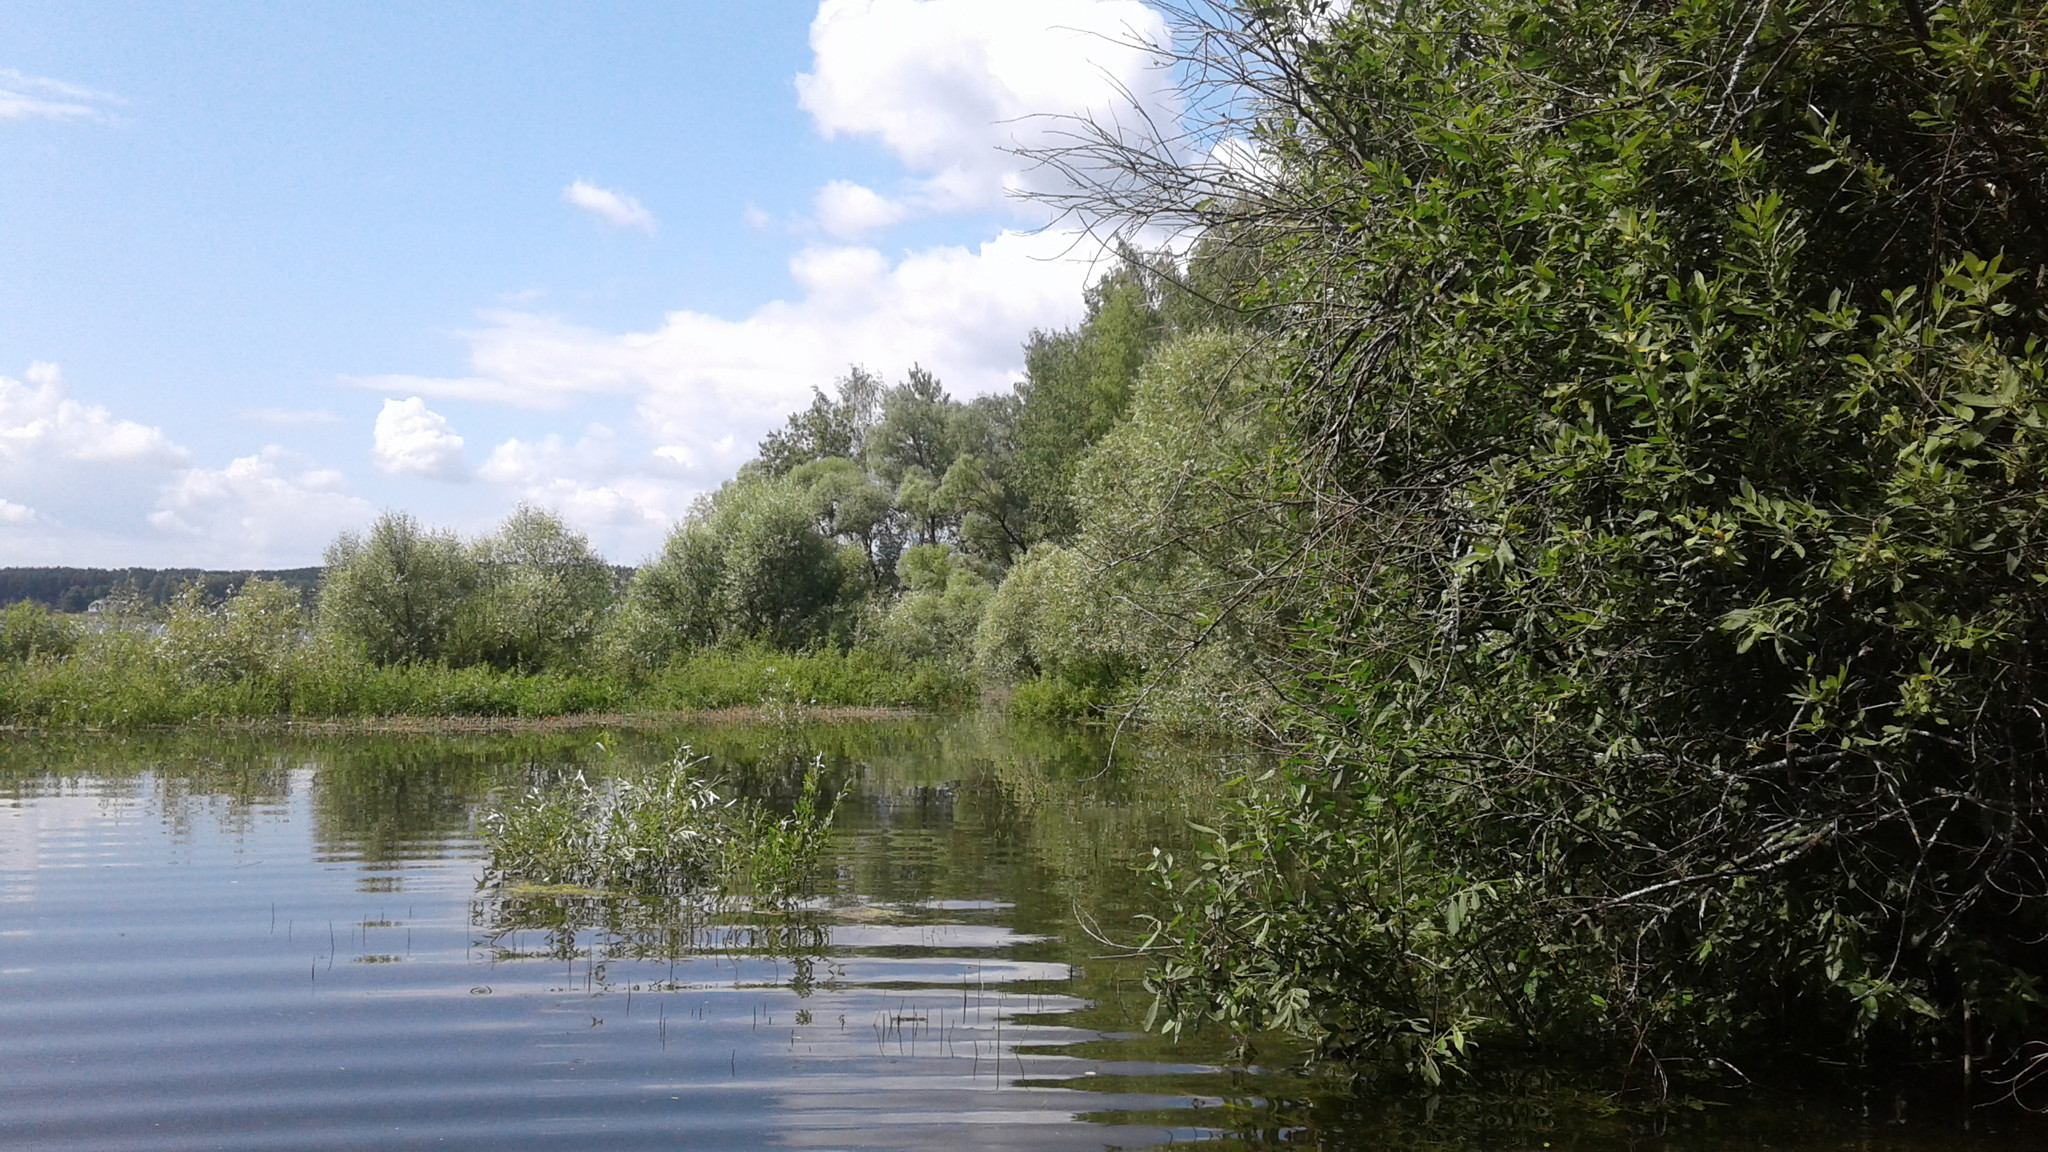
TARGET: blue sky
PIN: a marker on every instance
(266, 269)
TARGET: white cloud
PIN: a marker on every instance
(627, 500)
(80, 486)
(706, 388)
(73, 462)
(275, 507)
(614, 208)
(411, 439)
(41, 425)
(24, 97)
(951, 86)
(847, 211)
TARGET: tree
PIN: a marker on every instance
(396, 592)
(542, 594)
(854, 505)
(1077, 385)
(828, 428)
(1153, 607)
(1667, 462)
(914, 429)
(748, 564)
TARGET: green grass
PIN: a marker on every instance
(127, 680)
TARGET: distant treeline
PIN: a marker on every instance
(72, 589)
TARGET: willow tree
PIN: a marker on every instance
(1667, 446)
(397, 592)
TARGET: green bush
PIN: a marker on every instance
(397, 593)
(29, 631)
(667, 832)
(542, 596)
(1669, 421)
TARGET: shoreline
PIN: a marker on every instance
(470, 725)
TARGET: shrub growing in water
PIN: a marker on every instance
(1669, 412)
(667, 833)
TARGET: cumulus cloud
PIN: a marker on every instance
(40, 425)
(410, 439)
(273, 507)
(79, 485)
(706, 387)
(24, 97)
(614, 208)
(74, 462)
(847, 211)
(953, 87)
(625, 498)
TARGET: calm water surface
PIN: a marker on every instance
(211, 941)
(240, 943)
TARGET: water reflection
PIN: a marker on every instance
(232, 940)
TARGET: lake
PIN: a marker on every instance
(212, 940)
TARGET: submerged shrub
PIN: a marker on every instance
(666, 833)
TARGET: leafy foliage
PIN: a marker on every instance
(397, 592)
(1153, 607)
(29, 631)
(666, 832)
(253, 633)
(1667, 417)
(748, 564)
(542, 594)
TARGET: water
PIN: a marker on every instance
(278, 944)
(212, 941)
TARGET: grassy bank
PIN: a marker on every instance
(126, 681)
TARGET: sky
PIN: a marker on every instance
(268, 270)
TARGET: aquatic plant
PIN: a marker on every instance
(668, 832)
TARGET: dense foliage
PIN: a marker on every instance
(854, 561)
(1666, 442)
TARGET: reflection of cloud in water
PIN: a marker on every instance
(75, 830)
(928, 936)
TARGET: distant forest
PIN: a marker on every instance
(71, 589)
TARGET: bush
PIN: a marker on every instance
(542, 596)
(1668, 445)
(935, 617)
(29, 631)
(748, 565)
(253, 633)
(397, 593)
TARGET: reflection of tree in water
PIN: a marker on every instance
(608, 928)
(227, 780)
(379, 799)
